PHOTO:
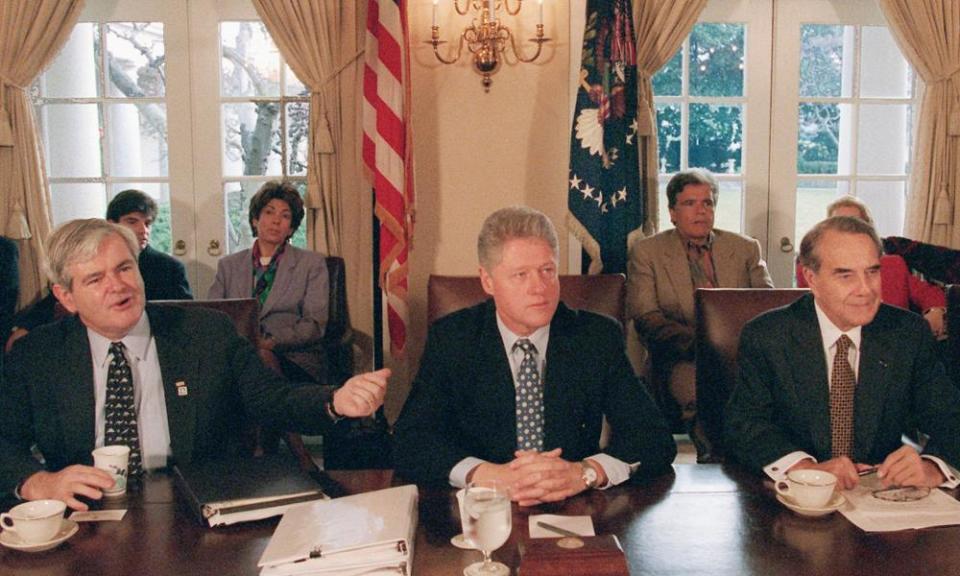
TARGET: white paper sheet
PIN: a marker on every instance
(872, 514)
(582, 525)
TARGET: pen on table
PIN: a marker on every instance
(868, 471)
(557, 529)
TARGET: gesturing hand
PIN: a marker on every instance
(361, 395)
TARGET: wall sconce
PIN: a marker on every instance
(486, 38)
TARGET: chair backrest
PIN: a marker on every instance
(952, 359)
(338, 337)
(721, 315)
(600, 293)
(243, 311)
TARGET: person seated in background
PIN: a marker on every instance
(516, 389)
(290, 284)
(899, 287)
(164, 277)
(835, 379)
(664, 271)
(166, 381)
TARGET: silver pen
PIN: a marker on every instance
(557, 529)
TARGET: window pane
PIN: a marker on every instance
(72, 134)
(668, 80)
(716, 138)
(729, 212)
(251, 139)
(884, 71)
(294, 86)
(823, 134)
(716, 60)
(887, 202)
(298, 137)
(74, 200)
(663, 213)
(237, 203)
(73, 73)
(668, 137)
(813, 197)
(884, 136)
(825, 60)
(161, 232)
(138, 140)
(135, 58)
(250, 65)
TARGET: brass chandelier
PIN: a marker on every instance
(486, 38)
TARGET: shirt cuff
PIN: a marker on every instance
(952, 479)
(617, 471)
(777, 470)
(458, 474)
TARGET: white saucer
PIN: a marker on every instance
(460, 541)
(67, 529)
(833, 505)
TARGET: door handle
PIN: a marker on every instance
(179, 248)
(786, 246)
(213, 248)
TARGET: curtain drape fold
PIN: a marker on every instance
(32, 32)
(662, 26)
(928, 33)
(307, 33)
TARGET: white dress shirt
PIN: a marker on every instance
(830, 333)
(141, 352)
(616, 470)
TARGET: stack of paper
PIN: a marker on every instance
(872, 514)
(364, 534)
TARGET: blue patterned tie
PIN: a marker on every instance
(121, 411)
(529, 399)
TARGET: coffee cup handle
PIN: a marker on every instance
(7, 521)
(782, 488)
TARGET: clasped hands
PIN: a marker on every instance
(537, 477)
(902, 467)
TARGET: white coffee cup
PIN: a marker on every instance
(35, 522)
(808, 488)
(113, 459)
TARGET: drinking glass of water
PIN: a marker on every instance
(488, 524)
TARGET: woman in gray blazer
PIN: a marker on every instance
(291, 285)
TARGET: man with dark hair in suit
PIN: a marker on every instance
(164, 276)
(516, 389)
(835, 379)
(168, 382)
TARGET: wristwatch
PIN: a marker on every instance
(589, 475)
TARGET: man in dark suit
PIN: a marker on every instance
(834, 380)
(187, 375)
(164, 276)
(515, 389)
(9, 282)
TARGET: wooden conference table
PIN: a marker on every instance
(704, 519)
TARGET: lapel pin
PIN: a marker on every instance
(181, 388)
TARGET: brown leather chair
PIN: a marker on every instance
(600, 293)
(721, 315)
(952, 358)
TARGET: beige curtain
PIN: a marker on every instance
(307, 32)
(928, 33)
(32, 32)
(662, 26)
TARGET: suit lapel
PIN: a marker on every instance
(178, 364)
(722, 254)
(285, 271)
(496, 393)
(872, 384)
(811, 375)
(561, 359)
(78, 400)
(678, 272)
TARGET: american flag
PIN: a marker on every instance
(387, 152)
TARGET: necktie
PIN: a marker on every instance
(529, 399)
(842, 387)
(121, 412)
